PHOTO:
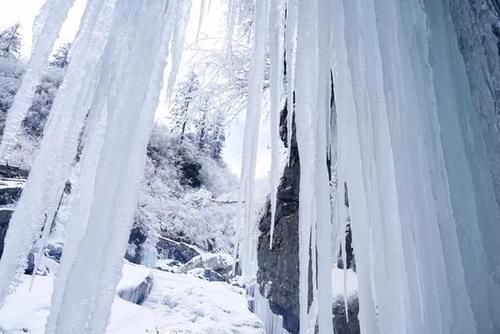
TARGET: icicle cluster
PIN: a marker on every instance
(117, 41)
(408, 146)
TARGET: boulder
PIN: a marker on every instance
(5, 215)
(175, 250)
(136, 283)
(222, 264)
(207, 274)
(54, 251)
(137, 294)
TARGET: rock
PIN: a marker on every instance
(221, 264)
(30, 265)
(9, 194)
(175, 250)
(136, 283)
(5, 215)
(340, 323)
(207, 274)
(139, 293)
(278, 267)
(190, 173)
(7, 171)
(54, 251)
(136, 240)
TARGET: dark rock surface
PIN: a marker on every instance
(175, 250)
(5, 215)
(341, 324)
(139, 293)
(207, 274)
(221, 264)
(278, 273)
(136, 240)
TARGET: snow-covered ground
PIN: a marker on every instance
(178, 303)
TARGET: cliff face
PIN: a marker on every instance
(278, 274)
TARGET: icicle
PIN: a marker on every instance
(290, 45)
(177, 46)
(38, 259)
(53, 163)
(276, 53)
(54, 12)
(247, 234)
(120, 166)
(312, 106)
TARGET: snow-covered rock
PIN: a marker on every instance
(136, 283)
(174, 250)
(221, 264)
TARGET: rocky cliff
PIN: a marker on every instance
(278, 274)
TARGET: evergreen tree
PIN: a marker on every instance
(61, 56)
(180, 113)
(10, 42)
(217, 135)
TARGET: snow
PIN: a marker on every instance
(26, 311)
(178, 302)
(185, 303)
(132, 276)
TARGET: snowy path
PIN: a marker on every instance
(178, 303)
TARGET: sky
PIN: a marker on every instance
(213, 27)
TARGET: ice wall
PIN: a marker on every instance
(410, 146)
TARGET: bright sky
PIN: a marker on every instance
(214, 23)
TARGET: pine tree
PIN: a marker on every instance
(180, 113)
(61, 56)
(10, 42)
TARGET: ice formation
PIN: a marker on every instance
(411, 149)
(408, 144)
(248, 232)
(46, 32)
(117, 39)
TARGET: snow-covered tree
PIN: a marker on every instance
(180, 112)
(10, 42)
(61, 56)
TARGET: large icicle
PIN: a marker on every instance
(131, 106)
(177, 47)
(411, 150)
(276, 13)
(53, 16)
(53, 164)
(290, 47)
(312, 107)
(247, 239)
